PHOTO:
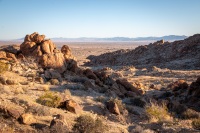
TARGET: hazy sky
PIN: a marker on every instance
(99, 18)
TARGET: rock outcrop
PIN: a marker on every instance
(182, 54)
(47, 54)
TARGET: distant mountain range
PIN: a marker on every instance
(119, 39)
(114, 39)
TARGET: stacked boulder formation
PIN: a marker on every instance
(48, 56)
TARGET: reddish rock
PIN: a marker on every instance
(55, 61)
(178, 85)
(112, 107)
(89, 73)
(128, 86)
(73, 107)
(27, 119)
(12, 110)
(47, 47)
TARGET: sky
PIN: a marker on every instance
(99, 18)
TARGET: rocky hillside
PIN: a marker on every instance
(43, 90)
(183, 54)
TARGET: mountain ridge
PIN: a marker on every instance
(112, 39)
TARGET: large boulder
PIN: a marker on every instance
(55, 61)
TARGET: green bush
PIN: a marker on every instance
(49, 99)
(196, 123)
(86, 124)
(3, 67)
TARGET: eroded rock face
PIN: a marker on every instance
(46, 53)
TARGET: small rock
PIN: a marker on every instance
(12, 110)
(3, 80)
(27, 119)
(57, 125)
(72, 106)
(10, 82)
(89, 73)
(112, 107)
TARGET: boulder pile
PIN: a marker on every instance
(47, 54)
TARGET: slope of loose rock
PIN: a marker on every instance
(175, 55)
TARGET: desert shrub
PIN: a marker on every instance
(3, 67)
(190, 114)
(157, 113)
(196, 123)
(119, 103)
(49, 99)
(38, 110)
(43, 87)
(87, 124)
(138, 102)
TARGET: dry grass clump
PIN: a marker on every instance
(68, 93)
(43, 87)
(190, 114)
(7, 129)
(158, 113)
(196, 123)
(3, 67)
(49, 99)
(87, 124)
